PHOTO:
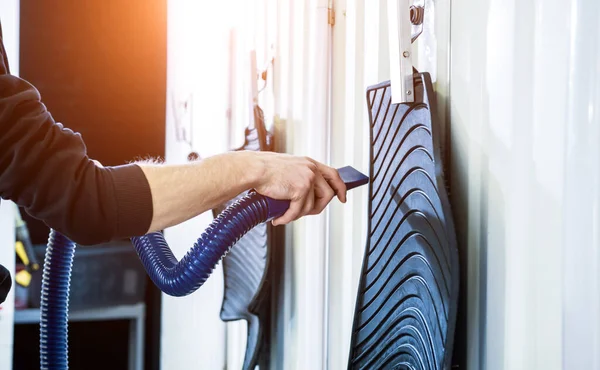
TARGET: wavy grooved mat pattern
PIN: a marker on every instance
(245, 267)
(408, 292)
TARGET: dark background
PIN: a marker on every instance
(100, 66)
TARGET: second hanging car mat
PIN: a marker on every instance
(246, 266)
(406, 305)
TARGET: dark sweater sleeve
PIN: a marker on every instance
(44, 168)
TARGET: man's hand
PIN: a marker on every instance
(180, 192)
(308, 184)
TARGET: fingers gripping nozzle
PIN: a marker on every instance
(350, 176)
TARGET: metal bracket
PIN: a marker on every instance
(253, 79)
(400, 40)
(331, 16)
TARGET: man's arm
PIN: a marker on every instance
(182, 192)
(45, 169)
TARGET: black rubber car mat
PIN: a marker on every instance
(246, 266)
(408, 292)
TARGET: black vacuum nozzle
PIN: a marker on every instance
(352, 178)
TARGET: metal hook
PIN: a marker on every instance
(264, 74)
(402, 16)
(417, 16)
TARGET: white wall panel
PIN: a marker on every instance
(518, 81)
(524, 179)
(192, 334)
(581, 195)
(302, 109)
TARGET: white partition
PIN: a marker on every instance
(525, 169)
(518, 84)
(192, 334)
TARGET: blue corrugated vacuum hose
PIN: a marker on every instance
(176, 278)
(180, 278)
(55, 302)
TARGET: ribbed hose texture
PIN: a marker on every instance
(172, 277)
(56, 281)
(186, 276)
